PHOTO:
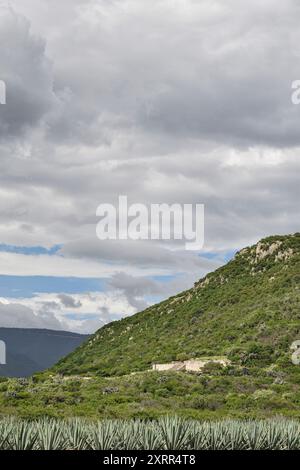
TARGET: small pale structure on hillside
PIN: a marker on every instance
(169, 366)
(193, 365)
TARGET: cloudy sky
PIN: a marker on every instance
(185, 101)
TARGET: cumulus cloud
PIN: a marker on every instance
(163, 101)
(69, 301)
(26, 73)
(194, 69)
(198, 125)
(16, 315)
(91, 311)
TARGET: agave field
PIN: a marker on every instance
(168, 433)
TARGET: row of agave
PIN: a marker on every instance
(167, 433)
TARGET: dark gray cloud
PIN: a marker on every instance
(209, 70)
(27, 74)
(69, 301)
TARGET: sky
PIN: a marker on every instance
(168, 101)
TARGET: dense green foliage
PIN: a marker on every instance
(235, 391)
(166, 434)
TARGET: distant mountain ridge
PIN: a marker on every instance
(30, 350)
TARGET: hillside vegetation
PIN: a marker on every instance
(247, 310)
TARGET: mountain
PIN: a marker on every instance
(32, 350)
(245, 314)
(247, 310)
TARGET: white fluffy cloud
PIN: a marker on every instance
(84, 313)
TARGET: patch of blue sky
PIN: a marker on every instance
(229, 255)
(222, 256)
(209, 255)
(153, 299)
(30, 250)
(28, 286)
(165, 278)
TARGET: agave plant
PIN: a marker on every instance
(22, 437)
(150, 437)
(77, 434)
(50, 435)
(291, 431)
(129, 434)
(168, 433)
(6, 427)
(175, 433)
(103, 435)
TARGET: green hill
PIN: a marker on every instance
(247, 310)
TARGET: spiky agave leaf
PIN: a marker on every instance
(50, 435)
(129, 434)
(77, 433)
(103, 435)
(175, 433)
(23, 436)
(150, 437)
(6, 427)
